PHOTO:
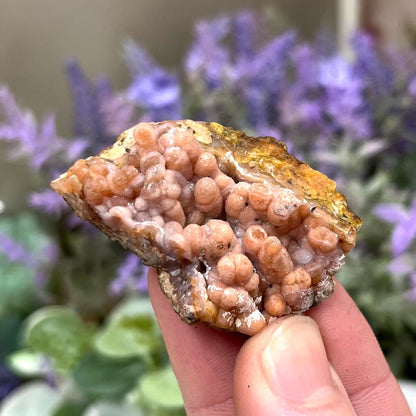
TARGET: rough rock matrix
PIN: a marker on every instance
(238, 229)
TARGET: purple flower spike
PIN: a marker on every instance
(344, 97)
(131, 273)
(335, 72)
(208, 60)
(271, 61)
(138, 60)
(306, 62)
(49, 202)
(16, 252)
(40, 143)
(76, 149)
(369, 67)
(405, 225)
(115, 111)
(99, 113)
(391, 213)
(154, 89)
(87, 120)
(246, 29)
(262, 79)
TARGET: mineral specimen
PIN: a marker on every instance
(239, 230)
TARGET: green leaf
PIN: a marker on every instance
(17, 288)
(26, 229)
(26, 363)
(132, 331)
(112, 409)
(69, 409)
(84, 283)
(9, 330)
(132, 307)
(31, 399)
(16, 280)
(159, 390)
(101, 377)
(59, 333)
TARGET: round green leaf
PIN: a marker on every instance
(101, 377)
(26, 363)
(112, 409)
(31, 399)
(132, 331)
(160, 390)
(128, 338)
(132, 307)
(59, 333)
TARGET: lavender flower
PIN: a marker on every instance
(87, 121)
(16, 252)
(335, 72)
(370, 67)
(326, 95)
(154, 89)
(404, 231)
(158, 94)
(306, 62)
(256, 104)
(18, 124)
(262, 79)
(115, 111)
(131, 273)
(49, 202)
(75, 149)
(300, 103)
(207, 59)
(344, 99)
(246, 27)
(99, 113)
(40, 143)
(139, 62)
(271, 61)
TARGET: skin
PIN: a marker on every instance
(327, 363)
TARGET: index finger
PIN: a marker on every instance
(202, 358)
(353, 350)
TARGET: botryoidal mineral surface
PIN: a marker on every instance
(239, 231)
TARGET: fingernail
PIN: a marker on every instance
(295, 363)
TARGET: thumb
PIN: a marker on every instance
(284, 370)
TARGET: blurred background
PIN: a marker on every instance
(38, 38)
(52, 55)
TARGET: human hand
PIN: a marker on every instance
(327, 363)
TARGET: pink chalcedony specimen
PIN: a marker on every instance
(239, 231)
